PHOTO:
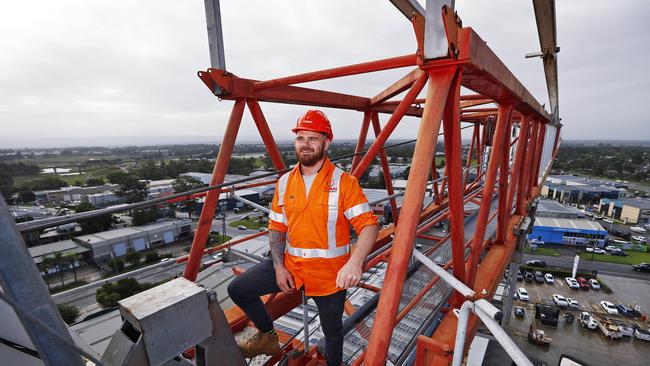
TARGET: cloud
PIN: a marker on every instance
(83, 71)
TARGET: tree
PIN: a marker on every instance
(132, 256)
(40, 184)
(109, 294)
(27, 196)
(133, 189)
(151, 257)
(95, 224)
(69, 313)
(115, 265)
(72, 259)
(145, 215)
(184, 184)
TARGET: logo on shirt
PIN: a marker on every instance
(331, 188)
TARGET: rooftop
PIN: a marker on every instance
(575, 224)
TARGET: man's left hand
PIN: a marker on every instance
(349, 275)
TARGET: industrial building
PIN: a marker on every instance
(569, 188)
(634, 210)
(581, 232)
(115, 243)
(550, 208)
(64, 247)
(72, 193)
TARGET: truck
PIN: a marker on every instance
(642, 334)
(609, 328)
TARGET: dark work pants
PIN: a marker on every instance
(245, 291)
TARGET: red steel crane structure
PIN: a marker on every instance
(513, 143)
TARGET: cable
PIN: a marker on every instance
(20, 348)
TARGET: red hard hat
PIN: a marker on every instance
(314, 120)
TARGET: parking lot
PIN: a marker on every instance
(590, 345)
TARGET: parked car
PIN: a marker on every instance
(608, 307)
(573, 303)
(639, 238)
(549, 278)
(539, 277)
(619, 253)
(560, 300)
(641, 267)
(522, 294)
(595, 285)
(609, 248)
(624, 310)
(589, 250)
(528, 277)
(536, 263)
(572, 283)
(609, 221)
(520, 312)
(520, 277)
(587, 320)
(599, 251)
(263, 229)
(638, 229)
(536, 242)
(242, 227)
(583, 283)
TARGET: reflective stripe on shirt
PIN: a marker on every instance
(357, 210)
(318, 253)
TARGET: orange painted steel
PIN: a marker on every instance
(210, 204)
(488, 189)
(366, 67)
(439, 83)
(474, 67)
(388, 179)
(390, 126)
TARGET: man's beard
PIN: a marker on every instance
(310, 160)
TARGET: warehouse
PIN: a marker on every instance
(581, 232)
(116, 243)
(629, 210)
(549, 208)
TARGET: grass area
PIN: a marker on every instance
(632, 258)
(248, 223)
(543, 251)
(218, 239)
(96, 172)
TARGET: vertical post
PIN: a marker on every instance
(215, 35)
(530, 158)
(21, 282)
(453, 161)
(265, 133)
(385, 168)
(468, 163)
(505, 109)
(212, 197)
(504, 166)
(517, 165)
(539, 147)
(361, 140)
(382, 329)
(393, 121)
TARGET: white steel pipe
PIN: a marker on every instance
(502, 337)
(489, 309)
(444, 275)
(251, 203)
(461, 331)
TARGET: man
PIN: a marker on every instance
(309, 233)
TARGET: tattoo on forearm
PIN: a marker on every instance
(277, 242)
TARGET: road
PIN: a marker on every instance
(612, 269)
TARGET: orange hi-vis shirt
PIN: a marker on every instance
(318, 226)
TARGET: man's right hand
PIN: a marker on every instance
(284, 279)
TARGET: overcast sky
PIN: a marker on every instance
(91, 72)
